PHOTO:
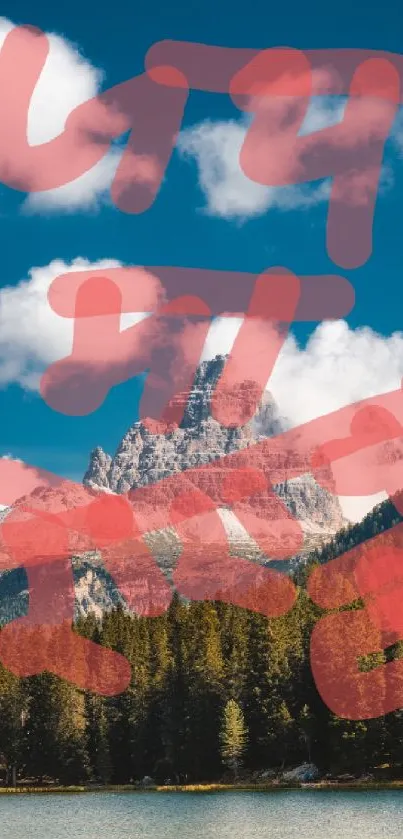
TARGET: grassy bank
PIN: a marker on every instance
(272, 787)
(206, 788)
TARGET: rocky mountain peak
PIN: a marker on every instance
(144, 457)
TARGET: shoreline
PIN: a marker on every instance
(331, 786)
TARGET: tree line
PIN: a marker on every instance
(216, 691)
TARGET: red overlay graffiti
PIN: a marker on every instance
(354, 451)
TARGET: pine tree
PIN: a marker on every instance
(174, 763)
(54, 732)
(234, 643)
(12, 719)
(205, 672)
(258, 692)
(233, 736)
(306, 725)
(281, 732)
(98, 738)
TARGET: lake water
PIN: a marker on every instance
(301, 814)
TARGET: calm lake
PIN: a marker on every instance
(279, 815)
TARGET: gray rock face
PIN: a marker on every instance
(145, 458)
(98, 470)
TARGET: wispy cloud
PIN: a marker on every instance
(32, 336)
(215, 146)
(85, 194)
(331, 371)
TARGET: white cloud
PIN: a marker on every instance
(83, 194)
(66, 81)
(331, 371)
(32, 336)
(215, 147)
(337, 367)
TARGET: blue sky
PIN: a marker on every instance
(177, 230)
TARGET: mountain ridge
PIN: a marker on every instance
(144, 458)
